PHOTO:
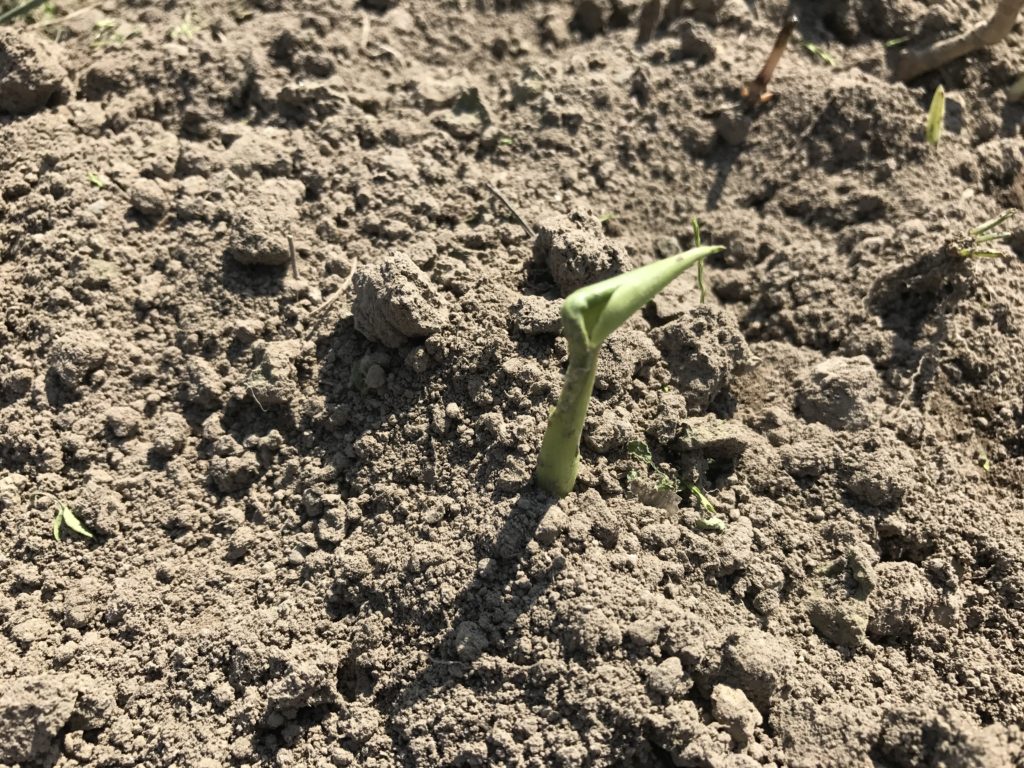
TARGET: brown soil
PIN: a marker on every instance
(316, 540)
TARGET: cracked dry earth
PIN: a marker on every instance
(315, 537)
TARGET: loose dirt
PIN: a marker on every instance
(316, 540)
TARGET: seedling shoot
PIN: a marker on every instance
(589, 316)
(936, 117)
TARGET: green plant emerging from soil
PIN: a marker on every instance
(700, 264)
(936, 117)
(589, 316)
(639, 450)
(184, 31)
(711, 521)
(108, 33)
(820, 52)
(66, 516)
(971, 247)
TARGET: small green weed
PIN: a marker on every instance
(821, 53)
(700, 264)
(970, 247)
(711, 524)
(983, 460)
(936, 117)
(65, 516)
(98, 180)
(711, 521)
(1016, 91)
(107, 33)
(640, 451)
(663, 481)
(185, 30)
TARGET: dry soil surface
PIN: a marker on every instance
(316, 541)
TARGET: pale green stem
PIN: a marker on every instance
(559, 460)
(589, 316)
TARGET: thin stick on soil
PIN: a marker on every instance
(522, 222)
(916, 62)
(756, 91)
(67, 17)
(314, 317)
(291, 254)
(364, 37)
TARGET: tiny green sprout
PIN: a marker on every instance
(712, 522)
(66, 516)
(896, 42)
(185, 30)
(936, 116)
(97, 180)
(589, 316)
(604, 218)
(700, 265)
(640, 451)
(821, 53)
(107, 34)
(984, 461)
(971, 248)
(506, 141)
(705, 502)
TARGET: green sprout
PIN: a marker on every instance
(984, 461)
(936, 116)
(640, 451)
(97, 180)
(700, 265)
(896, 42)
(107, 34)
(821, 53)
(711, 521)
(589, 316)
(970, 247)
(185, 30)
(66, 516)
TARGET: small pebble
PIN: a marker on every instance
(375, 377)
(123, 421)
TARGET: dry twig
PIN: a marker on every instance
(522, 222)
(916, 62)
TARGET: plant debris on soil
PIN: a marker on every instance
(280, 285)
